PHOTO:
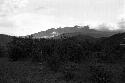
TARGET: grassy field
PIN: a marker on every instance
(27, 72)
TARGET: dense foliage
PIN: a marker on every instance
(77, 49)
(1, 52)
(75, 59)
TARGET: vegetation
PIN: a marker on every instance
(74, 59)
(1, 51)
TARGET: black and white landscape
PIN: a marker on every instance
(62, 41)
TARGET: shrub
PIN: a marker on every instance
(1, 51)
(100, 75)
(20, 48)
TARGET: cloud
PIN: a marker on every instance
(39, 8)
(6, 24)
(121, 24)
(106, 27)
(23, 17)
(16, 17)
(103, 27)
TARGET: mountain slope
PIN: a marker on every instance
(114, 39)
(85, 30)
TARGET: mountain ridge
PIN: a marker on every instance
(84, 30)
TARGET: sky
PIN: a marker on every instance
(24, 17)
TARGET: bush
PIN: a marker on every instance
(20, 48)
(2, 51)
(1, 54)
(122, 75)
(100, 75)
(68, 76)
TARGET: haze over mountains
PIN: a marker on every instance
(71, 31)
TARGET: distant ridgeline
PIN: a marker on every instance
(72, 31)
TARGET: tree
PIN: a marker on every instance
(1, 51)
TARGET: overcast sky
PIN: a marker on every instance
(23, 17)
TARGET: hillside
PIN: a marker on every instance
(4, 39)
(74, 59)
(116, 39)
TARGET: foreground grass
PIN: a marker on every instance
(27, 72)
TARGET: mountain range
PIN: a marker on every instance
(76, 32)
(71, 31)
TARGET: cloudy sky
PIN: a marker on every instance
(23, 17)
